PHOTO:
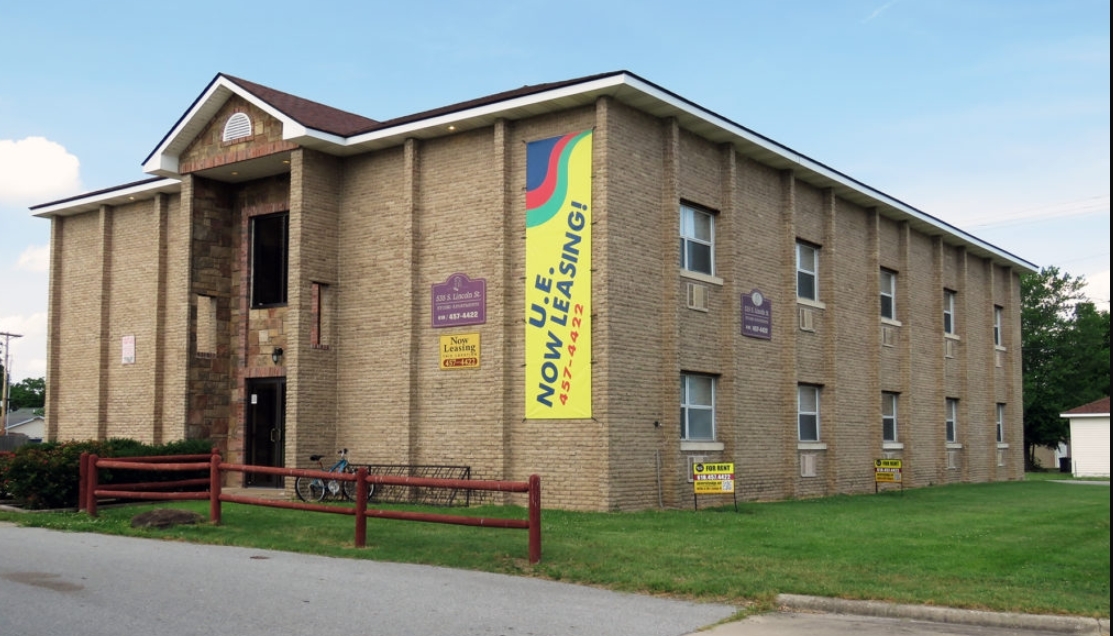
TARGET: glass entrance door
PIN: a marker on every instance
(266, 429)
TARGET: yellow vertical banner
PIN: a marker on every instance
(558, 277)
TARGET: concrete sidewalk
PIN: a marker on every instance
(836, 617)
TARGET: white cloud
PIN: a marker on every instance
(36, 169)
(35, 258)
(28, 353)
(1097, 289)
(878, 11)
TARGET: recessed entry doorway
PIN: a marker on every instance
(266, 429)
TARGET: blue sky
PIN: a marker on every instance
(992, 115)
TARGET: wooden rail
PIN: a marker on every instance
(90, 490)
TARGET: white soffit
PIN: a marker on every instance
(118, 196)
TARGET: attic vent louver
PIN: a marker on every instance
(237, 127)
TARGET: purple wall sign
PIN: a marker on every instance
(460, 300)
(757, 316)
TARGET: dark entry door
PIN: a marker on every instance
(266, 429)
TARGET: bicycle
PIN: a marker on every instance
(312, 489)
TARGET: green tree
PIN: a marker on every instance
(28, 394)
(1065, 354)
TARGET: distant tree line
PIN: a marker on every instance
(1065, 341)
(29, 393)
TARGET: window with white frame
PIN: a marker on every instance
(807, 271)
(998, 313)
(952, 420)
(1000, 423)
(889, 416)
(888, 294)
(948, 311)
(697, 240)
(697, 407)
(807, 412)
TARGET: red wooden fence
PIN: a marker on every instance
(90, 490)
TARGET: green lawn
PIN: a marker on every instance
(1033, 546)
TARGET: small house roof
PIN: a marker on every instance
(1095, 408)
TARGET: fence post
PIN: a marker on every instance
(214, 488)
(82, 476)
(361, 507)
(91, 487)
(534, 519)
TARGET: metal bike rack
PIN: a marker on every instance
(418, 495)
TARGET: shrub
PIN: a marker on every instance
(5, 461)
(47, 475)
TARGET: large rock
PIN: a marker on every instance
(165, 518)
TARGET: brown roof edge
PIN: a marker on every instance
(85, 195)
(308, 113)
(1096, 407)
(529, 89)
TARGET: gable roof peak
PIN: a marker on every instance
(306, 112)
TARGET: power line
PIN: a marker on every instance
(1080, 207)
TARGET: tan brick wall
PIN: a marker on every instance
(75, 341)
(311, 407)
(133, 282)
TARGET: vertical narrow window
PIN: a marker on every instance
(1000, 423)
(888, 295)
(697, 240)
(997, 315)
(948, 311)
(889, 417)
(807, 271)
(320, 333)
(952, 420)
(697, 407)
(269, 259)
(807, 412)
(206, 326)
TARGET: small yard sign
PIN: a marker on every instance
(887, 471)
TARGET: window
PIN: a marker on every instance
(320, 329)
(206, 326)
(952, 420)
(807, 412)
(948, 311)
(997, 314)
(697, 240)
(888, 294)
(889, 417)
(697, 407)
(269, 259)
(807, 271)
(1000, 423)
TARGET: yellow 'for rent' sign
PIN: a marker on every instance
(713, 479)
(887, 470)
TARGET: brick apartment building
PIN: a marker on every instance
(595, 280)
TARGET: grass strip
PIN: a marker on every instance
(1032, 547)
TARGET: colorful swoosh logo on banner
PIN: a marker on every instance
(547, 176)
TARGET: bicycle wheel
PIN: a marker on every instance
(334, 489)
(309, 489)
(350, 488)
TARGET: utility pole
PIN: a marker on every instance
(7, 365)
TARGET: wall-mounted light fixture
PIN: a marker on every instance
(276, 355)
